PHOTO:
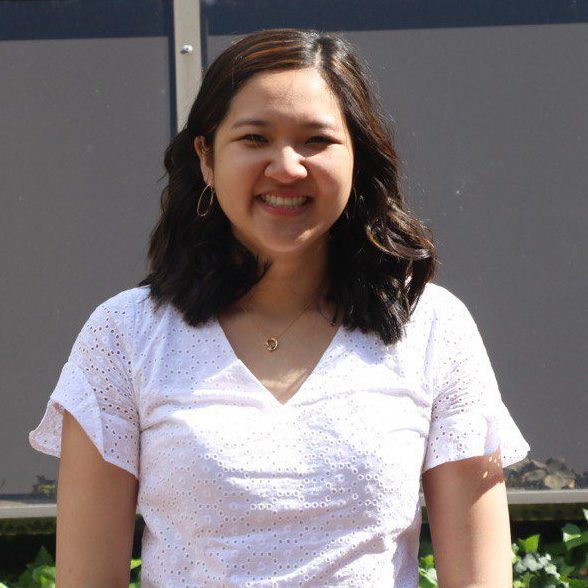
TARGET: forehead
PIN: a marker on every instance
(291, 95)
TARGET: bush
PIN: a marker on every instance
(41, 573)
(562, 564)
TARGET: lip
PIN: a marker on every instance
(284, 194)
(273, 210)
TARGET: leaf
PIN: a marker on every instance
(43, 558)
(555, 548)
(45, 576)
(573, 583)
(572, 536)
(530, 544)
(522, 583)
(26, 578)
(427, 562)
(565, 569)
(428, 578)
(42, 573)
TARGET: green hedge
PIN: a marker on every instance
(560, 564)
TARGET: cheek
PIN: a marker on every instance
(236, 170)
(229, 182)
(335, 173)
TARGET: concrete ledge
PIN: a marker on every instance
(524, 505)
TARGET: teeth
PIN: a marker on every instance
(284, 202)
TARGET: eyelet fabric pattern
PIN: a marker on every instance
(239, 490)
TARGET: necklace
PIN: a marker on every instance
(271, 343)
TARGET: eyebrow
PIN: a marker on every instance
(258, 122)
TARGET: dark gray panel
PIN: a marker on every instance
(235, 17)
(84, 126)
(492, 132)
(75, 19)
(492, 128)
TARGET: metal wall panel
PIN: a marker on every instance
(489, 114)
(86, 114)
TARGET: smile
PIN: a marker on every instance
(281, 202)
(284, 206)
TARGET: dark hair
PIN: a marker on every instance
(380, 256)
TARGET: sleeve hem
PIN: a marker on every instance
(509, 454)
(46, 438)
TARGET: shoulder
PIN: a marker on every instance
(453, 333)
(135, 315)
(126, 299)
(440, 315)
(117, 313)
(438, 304)
(125, 302)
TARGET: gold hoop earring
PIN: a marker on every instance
(199, 211)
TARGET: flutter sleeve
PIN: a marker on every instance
(468, 416)
(95, 386)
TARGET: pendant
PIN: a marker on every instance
(271, 344)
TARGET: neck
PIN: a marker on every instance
(289, 286)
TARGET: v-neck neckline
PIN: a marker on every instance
(327, 353)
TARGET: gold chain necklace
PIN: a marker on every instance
(271, 343)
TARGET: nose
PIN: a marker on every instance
(286, 165)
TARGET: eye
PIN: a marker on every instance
(253, 138)
(320, 139)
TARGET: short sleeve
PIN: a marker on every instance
(95, 386)
(468, 416)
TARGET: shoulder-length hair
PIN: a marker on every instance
(380, 255)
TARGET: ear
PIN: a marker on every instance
(204, 152)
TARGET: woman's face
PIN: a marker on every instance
(282, 162)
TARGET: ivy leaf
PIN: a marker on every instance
(530, 544)
(572, 536)
(44, 576)
(43, 558)
(427, 562)
(565, 569)
(574, 583)
(428, 578)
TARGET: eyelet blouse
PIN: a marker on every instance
(238, 489)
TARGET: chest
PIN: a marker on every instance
(350, 446)
(281, 365)
(213, 433)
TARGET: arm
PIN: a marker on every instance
(468, 515)
(96, 505)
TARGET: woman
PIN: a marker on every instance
(271, 393)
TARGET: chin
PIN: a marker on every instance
(283, 245)
(284, 250)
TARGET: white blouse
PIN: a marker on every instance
(238, 489)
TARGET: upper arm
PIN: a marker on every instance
(467, 510)
(96, 506)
